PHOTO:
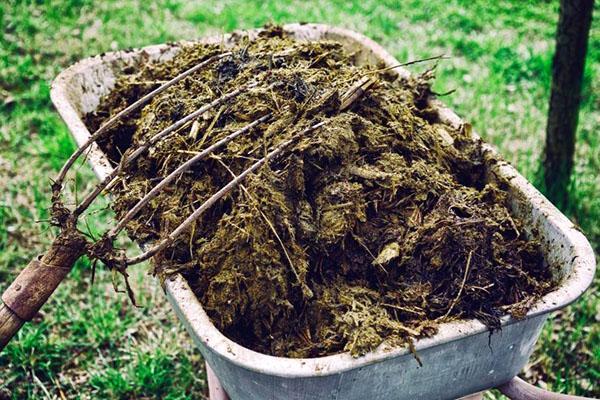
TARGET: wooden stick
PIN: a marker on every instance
(36, 283)
(10, 324)
(440, 57)
(308, 293)
(462, 285)
(355, 92)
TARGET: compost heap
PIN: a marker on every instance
(377, 226)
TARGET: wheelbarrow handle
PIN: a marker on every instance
(36, 283)
(518, 389)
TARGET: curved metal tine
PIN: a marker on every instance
(179, 170)
(128, 110)
(153, 140)
(162, 244)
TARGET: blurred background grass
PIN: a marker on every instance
(89, 342)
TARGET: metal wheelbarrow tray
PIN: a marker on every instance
(462, 358)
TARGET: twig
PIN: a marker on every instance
(356, 91)
(211, 126)
(462, 285)
(407, 330)
(40, 384)
(364, 246)
(60, 390)
(405, 309)
(440, 57)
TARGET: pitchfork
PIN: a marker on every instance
(36, 283)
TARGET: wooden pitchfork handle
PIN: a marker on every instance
(36, 283)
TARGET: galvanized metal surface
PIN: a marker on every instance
(462, 358)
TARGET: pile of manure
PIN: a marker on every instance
(379, 225)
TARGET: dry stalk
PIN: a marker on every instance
(462, 285)
(305, 289)
(355, 92)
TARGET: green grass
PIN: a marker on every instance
(89, 342)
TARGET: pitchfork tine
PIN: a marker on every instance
(162, 244)
(144, 146)
(182, 168)
(134, 106)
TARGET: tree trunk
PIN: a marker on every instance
(567, 73)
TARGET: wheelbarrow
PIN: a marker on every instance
(463, 358)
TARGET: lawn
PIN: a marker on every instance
(89, 342)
